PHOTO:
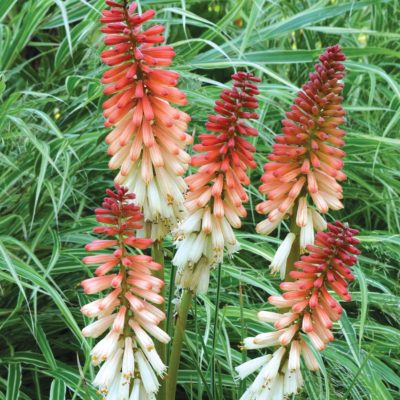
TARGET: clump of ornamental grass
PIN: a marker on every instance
(126, 316)
(148, 135)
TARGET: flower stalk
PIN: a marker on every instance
(177, 343)
(157, 251)
(295, 251)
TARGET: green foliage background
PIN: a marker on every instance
(53, 172)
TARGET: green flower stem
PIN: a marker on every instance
(170, 306)
(294, 254)
(158, 256)
(177, 342)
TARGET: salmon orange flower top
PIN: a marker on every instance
(148, 135)
(306, 164)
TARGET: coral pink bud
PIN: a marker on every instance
(333, 313)
(148, 295)
(285, 320)
(307, 323)
(116, 282)
(300, 306)
(328, 298)
(135, 302)
(140, 283)
(106, 220)
(288, 335)
(99, 259)
(107, 301)
(95, 285)
(325, 334)
(295, 295)
(106, 267)
(119, 321)
(316, 341)
(138, 242)
(294, 356)
(301, 217)
(314, 299)
(323, 317)
(91, 309)
(100, 244)
(339, 289)
(318, 282)
(289, 285)
(145, 315)
(280, 302)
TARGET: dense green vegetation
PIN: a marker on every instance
(53, 172)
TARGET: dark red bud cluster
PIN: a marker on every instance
(233, 104)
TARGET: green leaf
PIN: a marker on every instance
(57, 390)
(13, 381)
(5, 7)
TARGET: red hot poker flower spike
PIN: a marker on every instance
(306, 160)
(312, 311)
(127, 310)
(325, 267)
(148, 136)
(216, 191)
